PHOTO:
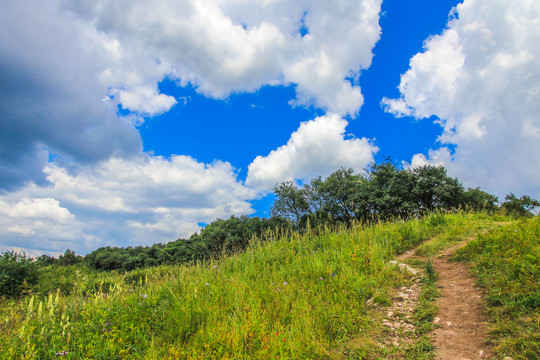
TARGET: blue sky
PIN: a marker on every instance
(127, 123)
(264, 120)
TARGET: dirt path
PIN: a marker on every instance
(461, 326)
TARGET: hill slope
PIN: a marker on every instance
(316, 295)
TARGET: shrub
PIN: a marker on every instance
(17, 272)
(519, 207)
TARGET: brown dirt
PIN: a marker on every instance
(461, 325)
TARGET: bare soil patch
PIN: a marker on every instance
(461, 325)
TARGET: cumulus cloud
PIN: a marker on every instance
(59, 59)
(146, 100)
(226, 46)
(50, 96)
(140, 201)
(481, 79)
(66, 67)
(318, 147)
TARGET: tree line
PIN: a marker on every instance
(382, 192)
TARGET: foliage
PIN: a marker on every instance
(390, 192)
(46, 260)
(478, 200)
(434, 189)
(507, 265)
(221, 237)
(69, 258)
(17, 273)
(291, 202)
(297, 296)
(385, 192)
(519, 207)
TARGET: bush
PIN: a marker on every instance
(519, 207)
(17, 272)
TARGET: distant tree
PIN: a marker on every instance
(434, 189)
(391, 191)
(291, 202)
(69, 258)
(107, 258)
(522, 206)
(478, 200)
(17, 271)
(46, 260)
(342, 196)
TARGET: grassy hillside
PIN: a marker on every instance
(507, 265)
(288, 296)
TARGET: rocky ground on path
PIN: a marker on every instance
(460, 327)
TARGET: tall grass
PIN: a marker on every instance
(507, 265)
(288, 296)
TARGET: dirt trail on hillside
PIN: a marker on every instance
(461, 325)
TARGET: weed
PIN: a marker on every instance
(298, 296)
(506, 262)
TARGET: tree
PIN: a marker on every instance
(478, 200)
(436, 190)
(17, 271)
(341, 194)
(46, 260)
(69, 258)
(391, 191)
(519, 207)
(291, 202)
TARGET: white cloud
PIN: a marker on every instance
(226, 46)
(60, 58)
(318, 147)
(140, 201)
(481, 77)
(50, 95)
(146, 100)
(441, 156)
(29, 216)
(66, 65)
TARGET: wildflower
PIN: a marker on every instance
(144, 296)
(215, 266)
(61, 353)
(206, 284)
(333, 274)
(285, 283)
(321, 278)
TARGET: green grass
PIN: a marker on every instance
(295, 296)
(470, 226)
(506, 263)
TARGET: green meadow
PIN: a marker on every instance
(314, 295)
(506, 263)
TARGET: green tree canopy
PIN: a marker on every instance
(17, 271)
